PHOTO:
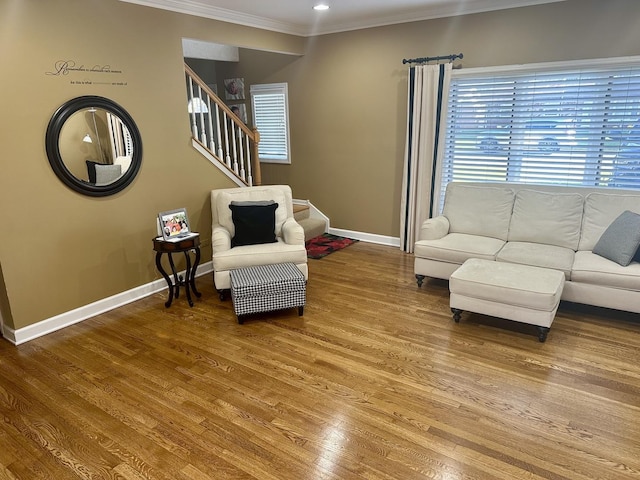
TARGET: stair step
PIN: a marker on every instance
(300, 212)
(312, 227)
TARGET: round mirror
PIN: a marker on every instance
(94, 146)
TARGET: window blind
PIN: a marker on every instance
(572, 127)
(271, 118)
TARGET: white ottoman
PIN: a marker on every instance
(507, 290)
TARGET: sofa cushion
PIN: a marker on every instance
(478, 210)
(619, 242)
(538, 255)
(458, 247)
(250, 195)
(600, 209)
(253, 223)
(265, 254)
(547, 218)
(596, 270)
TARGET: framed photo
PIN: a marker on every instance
(174, 224)
(234, 88)
(241, 111)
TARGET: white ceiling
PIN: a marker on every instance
(297, 16)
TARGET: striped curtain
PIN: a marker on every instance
(426, 121)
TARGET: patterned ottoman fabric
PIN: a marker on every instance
(264, 288)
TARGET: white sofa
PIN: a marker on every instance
(545, 226)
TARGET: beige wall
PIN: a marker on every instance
(62, 250)
(348, 94)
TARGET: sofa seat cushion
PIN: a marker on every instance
(538, 255)
(262, 254)
(458, 247)
(596, 270)
(547, 218)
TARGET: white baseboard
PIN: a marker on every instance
(66, 319)
(49, 325)
(367, 237)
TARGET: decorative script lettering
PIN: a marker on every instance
(65, 67)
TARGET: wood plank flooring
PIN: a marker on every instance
(375, 381)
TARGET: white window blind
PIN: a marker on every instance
(271, 118)
(572, 127)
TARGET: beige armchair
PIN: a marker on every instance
(288, 246)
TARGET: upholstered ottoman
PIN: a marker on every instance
(507, 290)
(263, 288)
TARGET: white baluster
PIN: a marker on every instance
(248, 149)
(226, 138)
(219, 131)
(203, 135)
(241, 154)
(212, 143)
(233, 146)
(194, 125)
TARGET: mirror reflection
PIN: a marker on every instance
(94, 146)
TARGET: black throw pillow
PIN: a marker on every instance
(254, 224)
(91, 170)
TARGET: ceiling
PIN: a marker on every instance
(298, 17)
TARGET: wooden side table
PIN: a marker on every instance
(186, 246)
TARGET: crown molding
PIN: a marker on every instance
(200, 9)
(450, 9)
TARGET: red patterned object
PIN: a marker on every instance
(325, 244)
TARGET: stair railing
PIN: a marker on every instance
(220, 132)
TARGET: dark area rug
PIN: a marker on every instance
(325, 244)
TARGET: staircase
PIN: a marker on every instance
(220, 136)
(310, 218)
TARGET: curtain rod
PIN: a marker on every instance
(451, 58)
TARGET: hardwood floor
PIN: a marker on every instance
(375, 382)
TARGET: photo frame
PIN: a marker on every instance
(240, 109)
(174, 225)
(234, 88)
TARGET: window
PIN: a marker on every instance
(545, 124)
(271, 118)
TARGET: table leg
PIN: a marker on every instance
(166, 277)
(176, 286)
(187, 276)
(192, 279)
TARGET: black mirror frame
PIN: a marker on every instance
(53, 147)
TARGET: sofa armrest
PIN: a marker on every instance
(220, 239)
(434, 228)
(292, 232)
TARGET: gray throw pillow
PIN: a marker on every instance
(106, 174)
(619, 242)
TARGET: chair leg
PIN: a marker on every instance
(419, 279)
(542, 333)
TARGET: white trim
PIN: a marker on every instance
(66, 319)
(312, 28)
(367, 237)
(593, 63)
(221, 166)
